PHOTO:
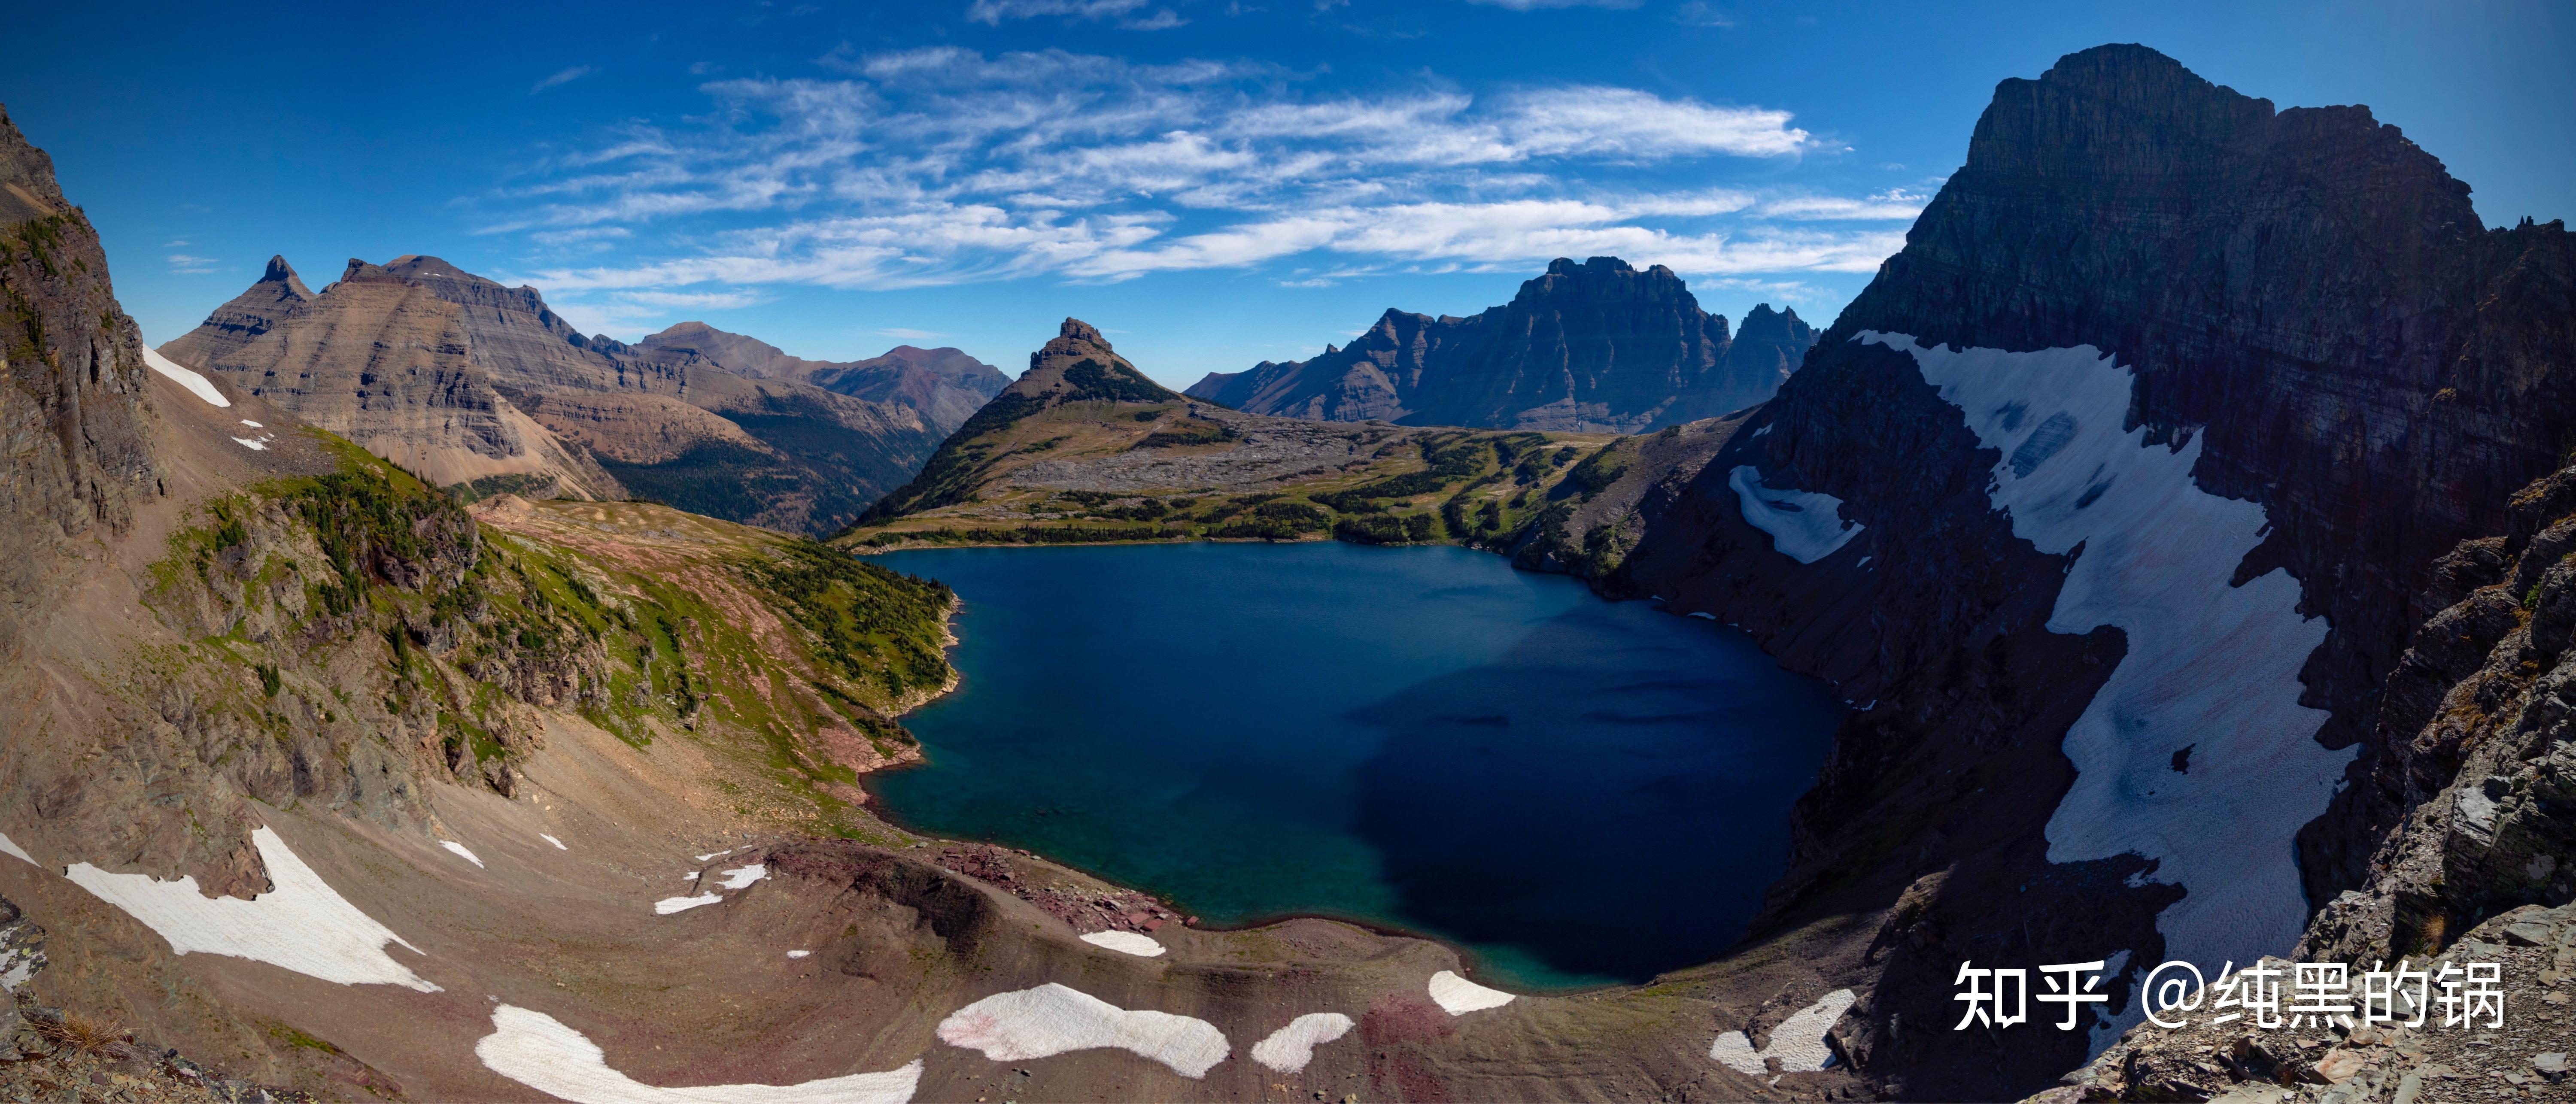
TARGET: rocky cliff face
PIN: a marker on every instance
(71, 381)
(2111, 503)
(945, 386)
(469, 382)
(1591, 347)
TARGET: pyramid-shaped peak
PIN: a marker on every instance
(1080, 330)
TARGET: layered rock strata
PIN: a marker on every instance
(944, 385)
(469, 382)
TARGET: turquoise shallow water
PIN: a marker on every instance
(1578, 792)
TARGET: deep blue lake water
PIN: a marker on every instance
(1578, 792)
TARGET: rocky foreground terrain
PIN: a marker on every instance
(1595, 347)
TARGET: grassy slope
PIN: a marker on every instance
(1476, 487)
(373, 606)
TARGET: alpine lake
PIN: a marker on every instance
(1575, 792)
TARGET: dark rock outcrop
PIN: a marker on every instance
(1595, 347)
(2304, 296)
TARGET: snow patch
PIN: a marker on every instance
(550, 839)
(1799, 1041)
(459, 848)
(1804, 525)
(1704, 615)
(254, 446)
(1459, 996)
(798, 954)
(1288, 1049)
(541, 1052)
(300, 923)
(195, 381)
(1053, 1019)
(252, 424)
(668, 905)
(2208, 664)
(10, 847)
(718, 854)
(742, 876)
(1130, 942)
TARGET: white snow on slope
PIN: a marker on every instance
(798, 954)
(1290, 1048)
(668, 905)
(2208, 665)
(539, 1051)
(1459, 996)
(1142, 946)
(741, 876)
(301, 924)
(460, 849)
(254, 446)
(550, 839)
(1799, 1041)
(195, 381)
(1804, 525)
(1053, 1019)
(10, 847)
(252, 424)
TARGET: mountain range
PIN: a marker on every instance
(468, 382)
(1596, 347)
(2185, 515)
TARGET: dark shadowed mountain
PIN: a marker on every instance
(1591, 347)
(2159, 507)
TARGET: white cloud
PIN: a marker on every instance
(563, 76)
(1699, 13)
(1892, 204)
(941, 165)
(185, 265)
(995, 11)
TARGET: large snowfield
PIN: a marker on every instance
(301, 923)
(2210, 666)
(541, 1052)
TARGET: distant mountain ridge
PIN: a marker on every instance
(944, 384)
(470, 382)
(1593, 347)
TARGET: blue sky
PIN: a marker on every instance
(1213, 182)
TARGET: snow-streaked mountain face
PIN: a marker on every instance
(2152, 436)
(2196, 753)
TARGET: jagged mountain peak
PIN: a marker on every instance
(1590, 346)
(280, 272)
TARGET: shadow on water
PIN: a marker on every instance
(1574, 791)
(1555, 803)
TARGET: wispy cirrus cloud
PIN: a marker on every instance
(562, 76)
(182, 264)
(943, 165)
(1535, 5)
(993, 12)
